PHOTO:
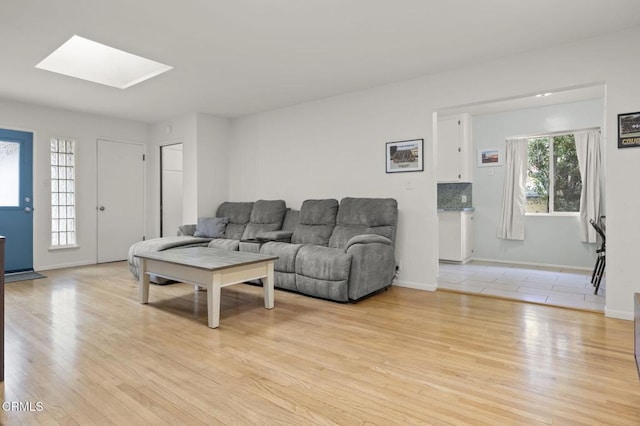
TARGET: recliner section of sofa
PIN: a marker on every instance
(315, 222)
(360, 257)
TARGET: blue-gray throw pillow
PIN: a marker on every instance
(211, 227)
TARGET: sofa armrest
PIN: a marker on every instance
(373, 264)
(368, 239)
(189, 229)
(281, 236)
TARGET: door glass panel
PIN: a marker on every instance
(9, 174)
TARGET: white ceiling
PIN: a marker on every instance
(235, 57)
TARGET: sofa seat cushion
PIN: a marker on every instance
(250, 247)
(225, 244)
(286, 255)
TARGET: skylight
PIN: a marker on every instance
(88, 60)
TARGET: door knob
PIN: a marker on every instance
(101, 208)
(27, 209)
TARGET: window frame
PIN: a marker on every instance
(75, 245)
(552, 176)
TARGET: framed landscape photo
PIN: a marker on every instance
(490, 157)
(405, 156)
(629, 130)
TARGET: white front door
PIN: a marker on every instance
(120, 198)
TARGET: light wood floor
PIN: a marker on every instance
(80, 343)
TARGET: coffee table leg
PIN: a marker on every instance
(143, 280)
(213, 301)
(267, 285)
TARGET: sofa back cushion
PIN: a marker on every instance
(239, 214)
(266, 215)
(291, 220)
(358, 216)
(316, 222)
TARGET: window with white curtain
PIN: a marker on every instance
(63, 193)
(553, 183)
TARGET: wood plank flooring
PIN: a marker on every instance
(80, 343)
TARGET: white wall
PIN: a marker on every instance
(205, 140)
(206, 183)
(335, 147)
(177, 130)
(172, 188)
(550, 240)
(213, 157)
(86, 129)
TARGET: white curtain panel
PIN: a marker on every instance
(514, 198)
(590, 160)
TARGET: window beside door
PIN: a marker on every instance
(63, 201)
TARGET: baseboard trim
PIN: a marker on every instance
(546, 265)
(65, 265)
(417, 286)
(623, 315)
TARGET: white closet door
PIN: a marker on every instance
(120, 198)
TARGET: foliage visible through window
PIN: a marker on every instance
(63, 203)
(553, 176)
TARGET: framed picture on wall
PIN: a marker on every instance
(405, 156)
(490, 157)
(629, 130)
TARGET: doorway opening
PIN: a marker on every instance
(552, 241)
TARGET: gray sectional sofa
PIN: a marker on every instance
(337, 251)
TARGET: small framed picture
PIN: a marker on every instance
(629, 130)
(405, 156)
(490, 157)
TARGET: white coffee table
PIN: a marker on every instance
(208, 267)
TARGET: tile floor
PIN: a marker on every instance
(550, 286)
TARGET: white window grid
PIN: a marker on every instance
(551, 189)
(63, 201)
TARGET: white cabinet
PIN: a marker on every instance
(455, 157)
(456, 235)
